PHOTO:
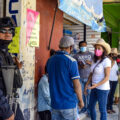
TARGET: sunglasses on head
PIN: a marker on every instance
(9, 31)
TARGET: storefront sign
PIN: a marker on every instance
(32, 34)
(87, 11)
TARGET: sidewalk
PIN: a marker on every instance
(110, 116)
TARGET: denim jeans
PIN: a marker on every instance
(66, 114)
(101, 97)
(113, 85)
(87, 97)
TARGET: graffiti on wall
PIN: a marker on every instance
(26, 53)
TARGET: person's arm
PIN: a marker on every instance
(44, 87)
(78, 91)
(74, 75)
(11, 117)
(88, 82)
(106, 78)
(88, 62)
(18, 63)
(5, 111)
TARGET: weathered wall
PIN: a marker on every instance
(27, 55)
(17, 10)
(47, 9)
(1, 8)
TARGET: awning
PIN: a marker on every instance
(89, 12)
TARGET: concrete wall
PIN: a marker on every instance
(27, 55)
(47, 9)
(1, 8)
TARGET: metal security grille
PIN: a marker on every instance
(78, 34)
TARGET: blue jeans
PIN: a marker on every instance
(101, 97)
(65, 114)
(87, 97)
(113, 85)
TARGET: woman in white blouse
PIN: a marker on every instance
(99, 80)
(113, 80)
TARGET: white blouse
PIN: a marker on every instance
(113, 72)
(99, 74)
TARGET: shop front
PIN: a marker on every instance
(52, 22)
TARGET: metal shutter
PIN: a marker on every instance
(91, 36)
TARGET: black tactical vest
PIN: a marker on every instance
(5, 59)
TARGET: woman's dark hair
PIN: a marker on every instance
(104, 55)
(82, 42)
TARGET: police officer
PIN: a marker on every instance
(7, 31)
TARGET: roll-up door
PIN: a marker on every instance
(76, 30)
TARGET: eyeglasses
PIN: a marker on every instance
(9, 31)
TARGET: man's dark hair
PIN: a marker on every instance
(52, 52)
(45, 69)
(82, 42)
(104, 55)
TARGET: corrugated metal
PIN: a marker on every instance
(91, 36)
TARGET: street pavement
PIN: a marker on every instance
(109, 116)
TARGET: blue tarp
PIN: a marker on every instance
(89, 12)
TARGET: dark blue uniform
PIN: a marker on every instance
(5, 111)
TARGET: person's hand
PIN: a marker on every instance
(19, 64)
(81, 104)
(81, 65)
(93, 86)
(11, 117)
(85, 90)
(88, 62)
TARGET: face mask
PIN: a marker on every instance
(98, 53)
(114, 58)
(5, 43)
(83, 49)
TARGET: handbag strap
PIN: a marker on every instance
(96, 66)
